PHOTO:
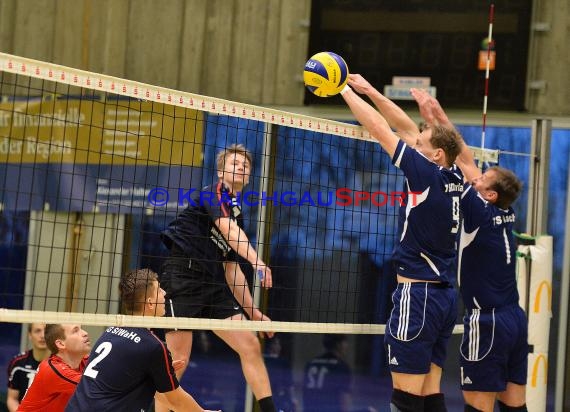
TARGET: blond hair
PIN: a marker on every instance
(233, 149)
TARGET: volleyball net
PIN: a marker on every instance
(93, 168)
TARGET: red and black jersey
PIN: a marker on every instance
(22, 370)
(53, 385)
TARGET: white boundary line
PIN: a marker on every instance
(74, 77)
(100, 319)
(100, 82)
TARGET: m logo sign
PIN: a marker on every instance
(536, 373)
(547, 288)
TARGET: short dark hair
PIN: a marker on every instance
(53, 332)
(507, 185)
(331, 340)
(133, 288)
(447, 140)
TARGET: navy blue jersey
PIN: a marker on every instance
(326, 379)
(22, 370)
(126, 367)
(429, 219)
(487, 276)
(195, 233)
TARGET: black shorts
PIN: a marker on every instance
(194, 293)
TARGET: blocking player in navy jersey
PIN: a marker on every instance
(129, 365)
(23, 368)
(494, 349)
(424, 312)
(202, 277)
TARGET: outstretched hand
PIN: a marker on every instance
(359, 84)
(430, 109)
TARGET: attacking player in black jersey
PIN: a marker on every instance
(203, 278)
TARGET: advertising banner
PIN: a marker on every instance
(86, 154)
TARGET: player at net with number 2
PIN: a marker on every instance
(129, 365)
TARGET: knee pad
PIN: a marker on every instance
(469, 408)
(507, 408)
(435, 403)
(406, 402)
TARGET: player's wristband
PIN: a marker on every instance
(345, 89)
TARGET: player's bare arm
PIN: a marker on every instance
(432, 112)
(12, 399)
(430, 109)
(238, 241)
(398, 120)
(372, 120)
(466, 162)
(238, 284)
(180, 400)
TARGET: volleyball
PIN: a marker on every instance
(325, 74)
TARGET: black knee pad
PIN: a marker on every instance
(435, 403)
(406, 402)
(469, 408)
(507, 408)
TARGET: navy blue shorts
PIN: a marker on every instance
(494, 349)
(420, 326)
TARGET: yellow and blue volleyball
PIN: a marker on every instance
(326, 73)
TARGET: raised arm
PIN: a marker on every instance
(433, 114)
(466, 162)
(398, 120)
(372, 120)
(430, 109)
(238, 241)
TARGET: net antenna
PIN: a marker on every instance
(487, 66)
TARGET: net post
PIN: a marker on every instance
(537, 205)
(563, 384)
(262, 234)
